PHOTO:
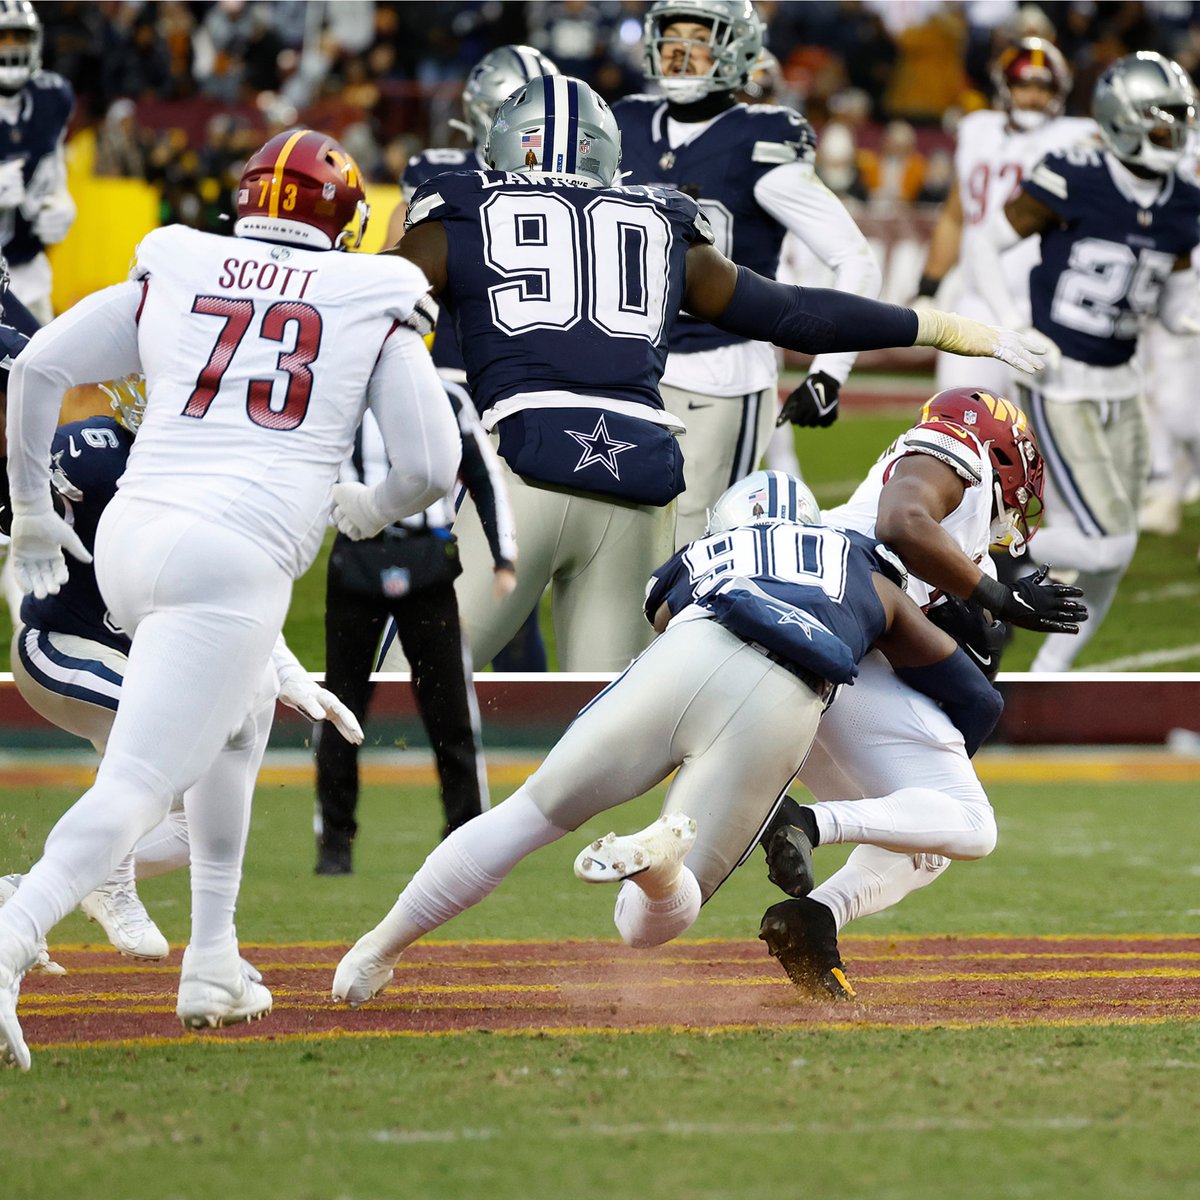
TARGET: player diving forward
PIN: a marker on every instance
(563, 290)
(69, 661)
(888, 769)
(1118, 226)
(728, 697)
(261, 353)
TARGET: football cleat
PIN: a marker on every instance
(217, 990)
(119, 911)
(789, 851)
(13, 1050)
(363, 973)
(42, 962)
(802, 934)
(652, 856)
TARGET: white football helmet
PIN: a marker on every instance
(1145, 105)
(19, 62)
(735, 41)
(764, 498)
(492, 80)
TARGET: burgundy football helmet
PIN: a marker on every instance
(1018, 471)
(302, 188)
(1032, 60)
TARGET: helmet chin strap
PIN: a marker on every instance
(686, 89)
(1028, 119)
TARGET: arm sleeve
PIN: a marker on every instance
(97, 339)
(419, 432)
(813, 320)
(482, 477)
(1179, 305)
(965, 695)
(796, 197)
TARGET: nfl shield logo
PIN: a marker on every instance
(585, 147)
(970, 417)
(395, 581)
(328, 191)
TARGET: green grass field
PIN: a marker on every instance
(1152, 625)
(887, 1114)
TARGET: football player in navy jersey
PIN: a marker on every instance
(36, 210)
(750, 168)
(1118, 225)
(758, 623)
(563, 291)
(491, 80)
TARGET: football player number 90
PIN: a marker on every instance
(610, 266)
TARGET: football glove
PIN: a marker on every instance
(54, 219)
(424, 316)
(1036, 603)
(1025, 352)
(12, 182)
(39, 538)
(298, 691)
(981, 638)
(355, 512)
(813, 403)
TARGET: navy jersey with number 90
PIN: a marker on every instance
(555, 286)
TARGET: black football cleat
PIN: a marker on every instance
(334, 858)
(802, 934)
(789, 851)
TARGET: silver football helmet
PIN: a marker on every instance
(127, 398)
(734, 41)
(558, 125)
(1145, 105)
(764, 498)
(493, 79)
(22, 57)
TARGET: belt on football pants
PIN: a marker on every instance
(822, 687)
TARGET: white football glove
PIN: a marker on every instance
(298, 691)
(12, 182)
(424, 316)
(54, 219)
(38, 541)
(355, 512)
(948, 331)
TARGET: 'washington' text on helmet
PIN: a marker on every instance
(763, 498)
(1032, 60)
(22, 56)
(1017, 466)
(557, 125)
(302, 187)
(735, 40)
(492, 80)
(1145, 105)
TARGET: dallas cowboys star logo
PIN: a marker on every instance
(793, 616)
(599, 447)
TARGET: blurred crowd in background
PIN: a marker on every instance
(180, 93)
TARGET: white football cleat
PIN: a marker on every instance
(43, 962)
(363, 973)
(13, 1051)
(118, 910)
(652, 856)
(216, 989)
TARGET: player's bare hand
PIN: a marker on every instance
(38, 541)
(355, 512)
(504, 582)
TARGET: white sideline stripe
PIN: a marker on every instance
(1152, 658)
(934, 1125)
(1173, 591)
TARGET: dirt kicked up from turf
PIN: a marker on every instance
(547, 988)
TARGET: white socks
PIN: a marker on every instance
(642, 921)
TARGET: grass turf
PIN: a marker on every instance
(887, 1114)
(1153, 615)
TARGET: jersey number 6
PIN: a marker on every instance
(237, 315)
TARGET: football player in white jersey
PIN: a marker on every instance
(995, 150)
(889, 770)
(261, 352)
(727, 699)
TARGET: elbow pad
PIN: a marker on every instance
(967, 698)
(813, 320)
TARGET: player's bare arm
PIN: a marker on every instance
(1028, 215)
(910, 640)
(395, 228)
(943, 244)
(426, 246)
(920, 493)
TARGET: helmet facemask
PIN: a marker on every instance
(21, 58)
(1018, 484)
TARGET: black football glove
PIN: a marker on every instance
(1036, 603)
(981, 638)
(814, 402)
